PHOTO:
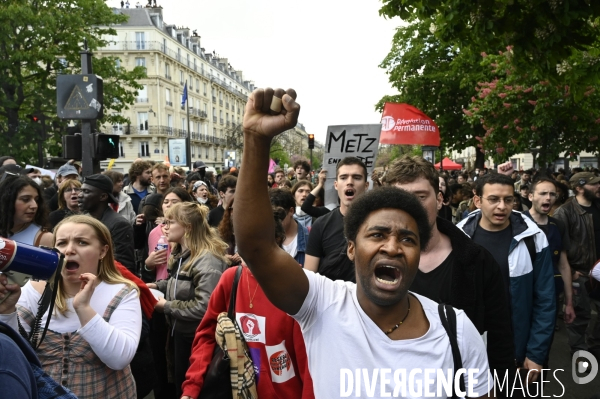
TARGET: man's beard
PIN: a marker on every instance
(589, 195)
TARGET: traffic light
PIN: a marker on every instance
(107, 146)
(35, 118)
(71, 145)
(311, 141)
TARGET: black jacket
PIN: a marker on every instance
(477, 288)
(580, 226)
(122, 237)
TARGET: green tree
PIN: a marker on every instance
(438, 79)
(543, 32)
(522, 111)
(278, 152)
(38, 41)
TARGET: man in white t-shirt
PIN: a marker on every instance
(372, 338)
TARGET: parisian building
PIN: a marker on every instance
(172, 56)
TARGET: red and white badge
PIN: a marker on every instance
(280, 362)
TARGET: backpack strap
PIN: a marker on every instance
(448, 318)
(530, 242)
(236, 280)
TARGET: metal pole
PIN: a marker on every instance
(88, 164)
(41, 141)
(188, 142)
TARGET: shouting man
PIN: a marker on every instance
(374, 325)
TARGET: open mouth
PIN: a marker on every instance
(70, 265)
(545, 207)
(386, 274)
(349, 193)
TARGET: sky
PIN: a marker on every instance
(327, 50)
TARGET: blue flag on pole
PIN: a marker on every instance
(184, 96)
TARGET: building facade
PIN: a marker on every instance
(172, 56)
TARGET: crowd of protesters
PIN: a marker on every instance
(152, 256)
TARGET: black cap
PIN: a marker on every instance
(154, 199)
(11, 168)
(199, 165)
(102, 182)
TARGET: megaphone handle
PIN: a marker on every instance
(6, 297)
(10, 281)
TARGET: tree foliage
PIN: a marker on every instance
(543, 32)
(522, 111)
(436, 78)
(435, 64)
(38, 41)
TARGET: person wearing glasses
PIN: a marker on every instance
(196, 264)
(23, 213)
(521, 249)
(68, 203)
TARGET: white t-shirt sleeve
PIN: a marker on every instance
(474, 357)
(596, 272)
(322, 293)
(116, 342)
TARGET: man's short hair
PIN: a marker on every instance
(386, 197)
(283, 198)
(300, 184)
(541, 179)
(408, 169)
(456, 188)
(302, 163)
(492, 178)
(114, 175)
(351, 161)
(161, 167)
(194, 176)
(226, 182)
(137, 168)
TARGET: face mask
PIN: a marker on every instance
(37, 180)
(202, 200)
(300, 212)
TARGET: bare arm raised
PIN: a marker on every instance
(268, 113)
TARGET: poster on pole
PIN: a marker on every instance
(361, 141)
(177, 153)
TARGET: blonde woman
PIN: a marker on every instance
(68, 203)
(95, 327)
(195, 267)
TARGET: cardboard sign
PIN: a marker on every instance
(361, 141)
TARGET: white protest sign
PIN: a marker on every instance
(360, 141)
(42, 170)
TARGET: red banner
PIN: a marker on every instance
(405, 124)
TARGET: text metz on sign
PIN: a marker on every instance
(357, 145)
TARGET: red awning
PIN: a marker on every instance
(448, 165)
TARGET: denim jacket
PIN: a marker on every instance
(302, 241)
